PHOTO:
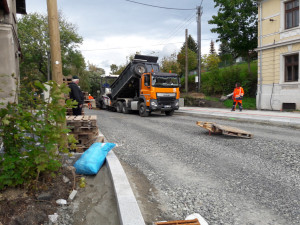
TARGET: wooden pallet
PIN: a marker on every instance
(225, 130)
(82, 121)
(84, 129)
(180, 222)
(80, 148)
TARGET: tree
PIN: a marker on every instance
(117, 70)
(192, 60)
(170, 64)
(94, 75)
(211, 62)
(34, 38)
(192, 55)
(212, 48)
(113, 68)
(237, 25)
(226, 54)
(192, 45)
(90, 79)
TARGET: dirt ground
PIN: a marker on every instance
(198, 100)
(93, 204)
(20, 206)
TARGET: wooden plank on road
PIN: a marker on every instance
(225, 130)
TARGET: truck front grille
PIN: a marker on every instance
(166, 100)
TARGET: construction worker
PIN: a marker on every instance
(90, 104)
(237, 97)
(76, 94)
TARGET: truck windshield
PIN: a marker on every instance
(164, 81)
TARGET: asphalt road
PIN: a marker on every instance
(227, 180)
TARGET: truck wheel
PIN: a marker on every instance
(119, 107)
(125, 109)
(169, 113)
(139, 69)
(142, 110)
(101, 105)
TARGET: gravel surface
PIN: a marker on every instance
(227, 180)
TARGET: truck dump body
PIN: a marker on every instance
(127, 84)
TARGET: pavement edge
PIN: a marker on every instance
(128, 208)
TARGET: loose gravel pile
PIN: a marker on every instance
(227, 180)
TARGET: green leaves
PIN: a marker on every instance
(236, 24)
(35, 43)
(33, 134)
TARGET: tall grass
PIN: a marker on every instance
(248, 103)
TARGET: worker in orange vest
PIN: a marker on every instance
(237, 97)
(89, 104)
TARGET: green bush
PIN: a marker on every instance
(222, 81)
(33, 133)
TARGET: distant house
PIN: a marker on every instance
(10, 50)
(278, 55)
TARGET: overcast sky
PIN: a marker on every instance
(114, 29)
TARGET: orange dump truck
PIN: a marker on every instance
(141, 86)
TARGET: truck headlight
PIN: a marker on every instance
(176, 103)
(153, 103)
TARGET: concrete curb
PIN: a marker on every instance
(128, 208)
(280, 121)
(129, 211)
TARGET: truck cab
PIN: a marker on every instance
(159, 92)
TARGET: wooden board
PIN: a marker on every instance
(85, 130)
(82, 121)
(225, 130)
(180, 222)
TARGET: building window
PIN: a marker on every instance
(291, 14)
(291, 68)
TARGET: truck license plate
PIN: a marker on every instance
(167, 106)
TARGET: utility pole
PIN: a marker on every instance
(199, 13)
(56, 63)
(48, 66)
(186, 61)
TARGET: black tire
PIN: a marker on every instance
(143, 110)
(125, 110)
(139, 69)
(169, 113)
(119, 107)
(101, 105)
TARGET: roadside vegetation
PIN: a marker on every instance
(33, 133)
(221, 81)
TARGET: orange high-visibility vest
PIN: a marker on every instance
(238, 92)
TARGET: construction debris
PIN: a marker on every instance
(85, 130)
(225, 130)
(180, 222)
(72, 195)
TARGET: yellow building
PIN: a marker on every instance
(278, 55)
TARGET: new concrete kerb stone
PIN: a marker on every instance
(129, 211)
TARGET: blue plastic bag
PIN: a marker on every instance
(93, 158)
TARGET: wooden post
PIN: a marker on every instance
(186, 62)
(55, 50)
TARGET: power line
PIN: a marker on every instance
(118, 48)
(161, 7)
(103, 49)
(177, 29)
